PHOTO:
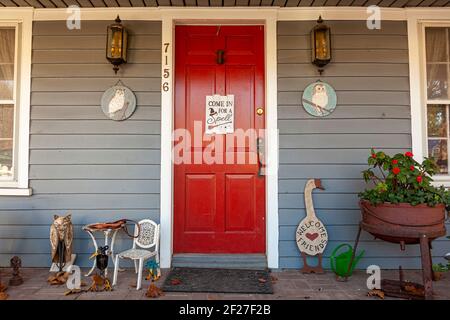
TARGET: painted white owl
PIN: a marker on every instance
(117, 102)
(320, 98)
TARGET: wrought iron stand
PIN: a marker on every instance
(106, 232)
(424, 240)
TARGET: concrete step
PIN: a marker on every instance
(225, 261)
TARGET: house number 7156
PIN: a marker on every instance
(166, 69)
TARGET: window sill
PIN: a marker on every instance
(23, 192)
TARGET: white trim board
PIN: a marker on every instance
(166, 193)
(166, 196)
(239, 13)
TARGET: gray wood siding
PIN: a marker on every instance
(80, 161)
(369, 72)
(100, 170)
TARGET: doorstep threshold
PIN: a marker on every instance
(225, 261)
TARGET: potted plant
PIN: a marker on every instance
(403, 204)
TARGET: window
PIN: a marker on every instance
(15, 70)
(7, 101)
(437, 94)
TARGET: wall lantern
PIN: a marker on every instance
(116, 45)
(320, 45)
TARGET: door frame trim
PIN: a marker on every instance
(268, 18)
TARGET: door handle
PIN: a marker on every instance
(260, 153)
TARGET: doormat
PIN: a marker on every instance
(218, 280)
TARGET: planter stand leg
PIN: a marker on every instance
(354, 252)
(426, 266)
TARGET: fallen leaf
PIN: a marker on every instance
(414, 290)
(273, 278)
(58, 278)
(376, 293)
(438, 276)
(175, 282)
(153, 291)
(3, 296)
(99, 284)
(72, 291)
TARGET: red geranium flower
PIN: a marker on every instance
(419, 179)
(396, 170)
(374, 155)
(412, 168)
(409, 154)
(394, 161)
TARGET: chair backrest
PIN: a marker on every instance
(148, 234)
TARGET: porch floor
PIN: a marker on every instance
(290, 284)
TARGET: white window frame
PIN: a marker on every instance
(418, 20)
(22, 20)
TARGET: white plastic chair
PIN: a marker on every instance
(148, 239)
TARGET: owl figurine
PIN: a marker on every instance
(320, 98)
(61, 237)
(117, 102)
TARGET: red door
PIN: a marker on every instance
(219, 206)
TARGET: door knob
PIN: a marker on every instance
(260, 111)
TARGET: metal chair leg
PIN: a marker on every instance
(116, 270)
(157, 261)
(139, 280)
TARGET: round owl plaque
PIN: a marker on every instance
(319, 99)
(118, 103)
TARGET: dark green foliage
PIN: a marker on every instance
(401, 179)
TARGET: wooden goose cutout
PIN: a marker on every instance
(311, 235)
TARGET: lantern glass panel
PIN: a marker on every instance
(322, 42)
(115, 43)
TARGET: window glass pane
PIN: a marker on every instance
(437, 81)
(6, 81)
(436, 47)
(437, 149)
(6, 140)
(7, 47)
(437, 121)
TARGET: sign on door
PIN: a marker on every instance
(219, 114)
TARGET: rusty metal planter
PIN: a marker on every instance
(403, 223)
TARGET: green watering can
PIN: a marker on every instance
(340, 263)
